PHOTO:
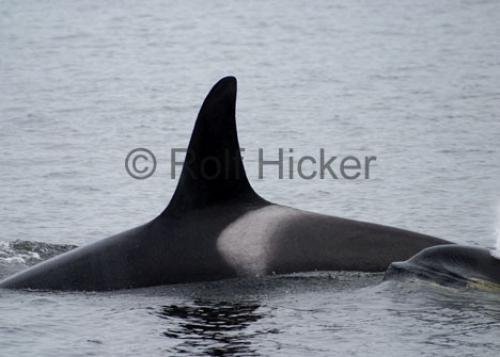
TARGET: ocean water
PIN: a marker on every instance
(413, 83)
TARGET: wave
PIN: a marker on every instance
(19, 254)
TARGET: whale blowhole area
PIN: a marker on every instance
(495, 253)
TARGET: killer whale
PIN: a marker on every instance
(216, 226)
(451, 265)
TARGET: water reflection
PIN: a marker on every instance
(214, 329)
(447, 317)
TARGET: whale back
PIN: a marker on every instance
(450, 264)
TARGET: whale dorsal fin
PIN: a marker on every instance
(213, 171)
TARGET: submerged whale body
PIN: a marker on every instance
(216, 227)
(452, 265)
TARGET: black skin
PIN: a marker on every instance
(449, 265)
(217, 227)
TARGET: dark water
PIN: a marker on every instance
(415, 84)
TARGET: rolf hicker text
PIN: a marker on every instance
(141, 163)
(286, 164)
